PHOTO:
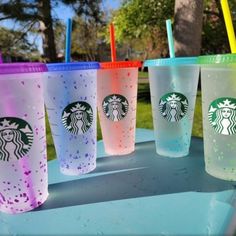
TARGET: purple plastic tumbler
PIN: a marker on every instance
(23, 159)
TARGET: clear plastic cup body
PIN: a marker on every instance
(219, 119)
(117, 101)
(173, 96)
(23, 158)
(70, 98)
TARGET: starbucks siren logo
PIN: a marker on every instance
(115, 107)
(77, 117)
(16, 138)
(222, 115)
(173, 106)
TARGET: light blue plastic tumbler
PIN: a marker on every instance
(173, 84)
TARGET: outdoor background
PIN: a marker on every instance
(34, 30)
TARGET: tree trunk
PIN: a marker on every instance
(188, 27)
(46, 28)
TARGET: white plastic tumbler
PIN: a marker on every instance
(71, 100)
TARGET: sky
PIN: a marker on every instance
(63, 13)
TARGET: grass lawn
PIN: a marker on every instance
(144, 117)
(142, 75)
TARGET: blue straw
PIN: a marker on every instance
(170, 39)
(68, 40)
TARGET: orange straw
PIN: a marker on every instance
(114, 85)
(112, 42)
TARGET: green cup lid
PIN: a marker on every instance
(217, 59)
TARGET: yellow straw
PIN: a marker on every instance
(229, 25)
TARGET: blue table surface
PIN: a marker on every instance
(137, 194)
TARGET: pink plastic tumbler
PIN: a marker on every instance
(117, 99)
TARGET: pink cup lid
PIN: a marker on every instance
(120, 64)
(18, 68)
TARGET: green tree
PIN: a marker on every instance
(200, 28)
(214, 36)
(87, 9)
(60, 36)
(142, 24)
(86, 38)
(86, 32)
(13, 43)
(38, 14)
(35, 13)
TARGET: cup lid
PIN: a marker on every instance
(16, 68)
(217, 59)
(171, 61)
(120, 64)
(72, 66)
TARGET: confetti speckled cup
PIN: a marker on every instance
(173, 85)
(117, 99)
(71, 99)
(23, 159)
(218, 77)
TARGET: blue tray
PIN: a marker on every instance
(138, 194)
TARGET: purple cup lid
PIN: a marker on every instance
(18, 68)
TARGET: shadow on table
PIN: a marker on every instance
(137, 175)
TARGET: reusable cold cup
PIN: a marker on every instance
(117, 99)
(70, 98)
(23, 159)
(173, 84)
(218, 77)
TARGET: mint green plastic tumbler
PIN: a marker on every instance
(218, 77)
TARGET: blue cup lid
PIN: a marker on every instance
(177, 61)
(72, 66)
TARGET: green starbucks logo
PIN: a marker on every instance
(173, 106)
(77, 117)
(16, 138)
(115, 107)
(222, 115)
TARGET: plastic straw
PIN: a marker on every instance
(170, 38)
(112, 42)
(1, 60)
(229, 25)
(176, 81)
(68, 40)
